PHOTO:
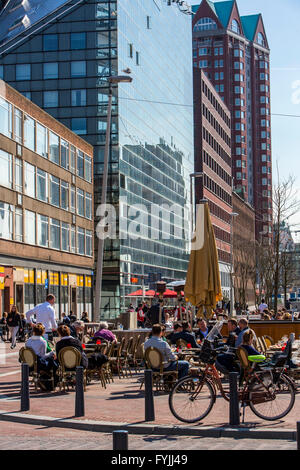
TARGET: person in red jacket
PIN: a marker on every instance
(140, 316)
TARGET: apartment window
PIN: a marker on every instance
(238, 164)
(50, 99)
(54, 148)
(18, 224)
(42, 230)
(54, 190)
(235, 27)
(18, 175)
(18, 127)
(80, 241)
(29, 180)
(5, 169)
(88, 243)
(64, 154)
(88, 168)
(80, 163)
(65, 237)
(50, 70)
(264, 169)
(79, 126)
(30, 222)
(6, 221)
(78, 41)
(78, 69)
(41, 140)
(78, 97)
(80, 202)
(23, 72)
(264, 158)
(203, 64)
(5, 118)
(50, 42)
(64, 195)
(264, 181)
(41, 185)
(88, 205)
(55, 234)
(203, 51)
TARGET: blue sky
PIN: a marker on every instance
(281, 20)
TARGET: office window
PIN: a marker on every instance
(78, 69)
(88, 168)
(50, 42)
(18, 127)
(64, 154)
(41, 140)
(80, 202)
(55, 234)
(88, 205)
(6, 221)
(80, 241)
(54, 147)
(29, 132)
(73, 239)
(72, 159)
(5, 117)
(78, 97)
(29, 185)
(18, 224)
(50, 99)
(64, 195)
(88, 243)
(42, 230)
(78, 125)
(18, 175)
(80, 164)
(78, 41)
(30, 222)
(54, 190)
(65, 237)
(50, 70)
(41, 185)
(23, 72)
(5, 169)
(73, 199)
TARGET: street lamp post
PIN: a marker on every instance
(98, 290)
(233, 214)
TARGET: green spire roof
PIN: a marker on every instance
(221, 9)
(249, 25)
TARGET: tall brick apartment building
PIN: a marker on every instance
(46, 199)
(212, 137)
(233, 51)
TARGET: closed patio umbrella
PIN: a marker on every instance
(203, 283)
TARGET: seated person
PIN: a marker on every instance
(67, 340)
(247, 343)
(243, 326)
(46, 360)
(203, 329)
(227, 361)
(186, 334)
(233, 332)
(76, 329)
(177, 328)
(104, 333)
(168, 357)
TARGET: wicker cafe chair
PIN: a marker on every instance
(163, 380)
(118, 361)
(98, 372)
(133, 359)
(126, 354)
(106, 368)
(28, 356)
(69, 358)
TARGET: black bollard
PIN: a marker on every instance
(120, 440)
(149, 402)
(79, 393)
(298, 435)
(234, 413)
(25, 403)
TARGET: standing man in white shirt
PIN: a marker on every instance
(45, 314)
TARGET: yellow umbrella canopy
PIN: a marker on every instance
(203, 283)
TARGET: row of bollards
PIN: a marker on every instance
(120, 438)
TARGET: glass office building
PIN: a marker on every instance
(60, 55)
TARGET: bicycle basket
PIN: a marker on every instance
(206, 353)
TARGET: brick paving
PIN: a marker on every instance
(121, 402)
(24, 437)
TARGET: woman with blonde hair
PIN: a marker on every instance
(247, 343)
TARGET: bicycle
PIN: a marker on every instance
(267, 391)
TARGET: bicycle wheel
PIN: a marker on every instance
(271, 401)
(191, 399)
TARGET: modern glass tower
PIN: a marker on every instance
(60, 55)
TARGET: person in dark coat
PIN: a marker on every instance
(152, 316)
(186, 334)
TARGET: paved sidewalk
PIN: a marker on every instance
(121, 402)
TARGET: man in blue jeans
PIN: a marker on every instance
(168, 357)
